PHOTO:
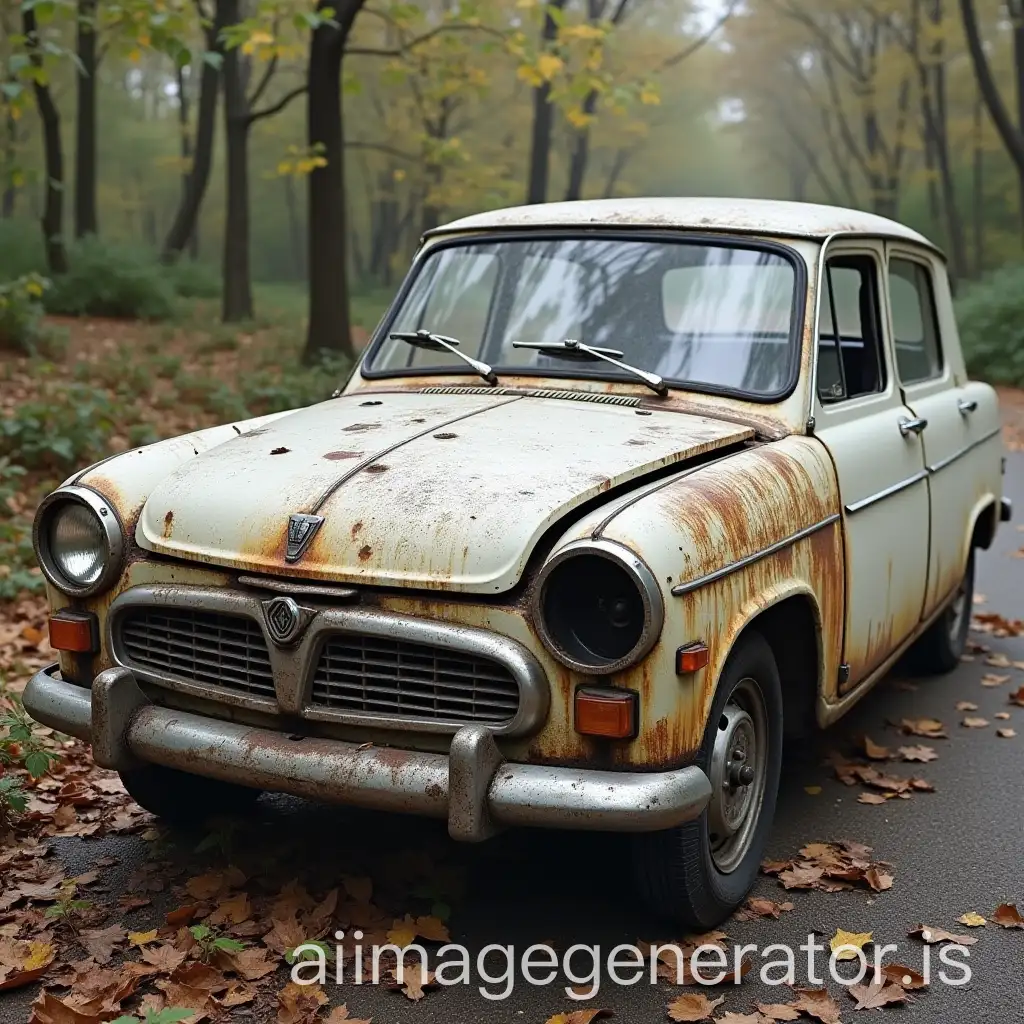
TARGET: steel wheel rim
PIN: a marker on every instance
(740, 752)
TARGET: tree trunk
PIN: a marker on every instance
(8, 200)
(1018, 68)
(186, 153)
(581, 151)
(543, 117)
(86, 222)
(618, 166)
(236, 296)
(295, 228)
(186, 218)
(329, 325)
(53, 210)
(978, 187)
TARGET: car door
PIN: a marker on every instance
(875, 444)
(961, 415)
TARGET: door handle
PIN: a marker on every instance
(967, 405)
(914, 426)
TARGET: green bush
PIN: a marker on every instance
(109, 280)
(194, 280)
(991, 318)
(21, 318)
(17, 559)
(297, 386)
(68, 426)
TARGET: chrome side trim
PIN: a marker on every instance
(949, 460)
(686, 588)
(471, 787)
(871, 499)
(293, 667)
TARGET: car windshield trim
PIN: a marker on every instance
(593, 372)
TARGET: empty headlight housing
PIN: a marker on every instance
(598, 607)
(78, 540)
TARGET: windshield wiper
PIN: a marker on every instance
(442, 343)
(573, 349)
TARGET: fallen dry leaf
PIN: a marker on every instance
(906, 977)
(758, 907)
(875, 752)
(1002, 715)
(872, 798)
(998, 661)
(1007, 916)
(975, 723)
(693, 1007)
(1006, 733)
(578, 1016)
(299, 1004)
(991, 679)
(812, 790)
(931, 935)
(1017, 697)
(966, 705)
(739, 1018)
(817, 1003)
(920, 753)
(878, 878)
(877, 995)
(778, 1011)
(340, 1015)
(415, 979)
(972, 920)
(930, 728)
(845, 944)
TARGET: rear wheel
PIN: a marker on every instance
(942, 645)
(185, 799)
(701, 871)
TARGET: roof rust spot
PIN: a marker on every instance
(377, 467)
(280, 451)
(338, 456)
(365, 552)
(446, 436)
(356, 428)
(356, 527)
(168, 523)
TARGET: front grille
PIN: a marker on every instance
(198, 647)
(368, 675)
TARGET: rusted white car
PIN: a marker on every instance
(621, 494)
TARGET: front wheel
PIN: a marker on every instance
(698, 873)
(941, 646)
(184, 799)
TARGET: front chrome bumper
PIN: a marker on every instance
(472, 786)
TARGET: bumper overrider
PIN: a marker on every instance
(471, 786)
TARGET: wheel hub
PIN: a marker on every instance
(737, 771)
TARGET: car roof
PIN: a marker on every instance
(775, 217)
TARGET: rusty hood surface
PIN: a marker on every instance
(417, 490)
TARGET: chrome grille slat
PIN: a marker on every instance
(374, 675)
(227, 651)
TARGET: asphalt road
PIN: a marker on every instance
(957, 850)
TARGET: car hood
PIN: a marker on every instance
(414, 489)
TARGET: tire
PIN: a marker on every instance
(184, 799)
(941, 646)
(690, 873)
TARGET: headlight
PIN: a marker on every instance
(598, 607)
(78, 540)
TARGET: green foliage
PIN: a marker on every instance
(266, 391)
(194, 280)
(209, 942)
(21, 317)
(991, 318)
(17, 559)
(68, 907)
(20, 748)
(168, 1015)
(69, 425)
(114, 281)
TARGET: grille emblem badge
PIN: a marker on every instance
(286, 620)
(302, 529)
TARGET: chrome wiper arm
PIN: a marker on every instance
(442, 343)
(573, 349)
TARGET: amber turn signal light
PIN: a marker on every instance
(692, 658)
(74, 631)
(606, 712)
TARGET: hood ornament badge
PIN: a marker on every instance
(301, 531)
(286, 619)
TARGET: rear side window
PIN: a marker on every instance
(915, 328)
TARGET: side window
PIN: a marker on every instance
(915, 328)
(850, 335)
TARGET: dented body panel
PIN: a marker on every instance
(435, 506)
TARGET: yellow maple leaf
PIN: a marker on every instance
(141, 938)
(256, 40)
(403, 933)
(972, 920)
(39, 955)
(846, 944)
(548, 65)
(649, 97)
(577, 117)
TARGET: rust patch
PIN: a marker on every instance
(446, 436)
(365, 552)
(168, 524)
(377, 467)
(417, 419)
(356, 527)
(375, 401)
(280, 451)
(338, 456)
(358, 428)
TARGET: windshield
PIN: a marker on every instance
(703, 314)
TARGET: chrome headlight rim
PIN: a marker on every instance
(112, 528)
(647, 587)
